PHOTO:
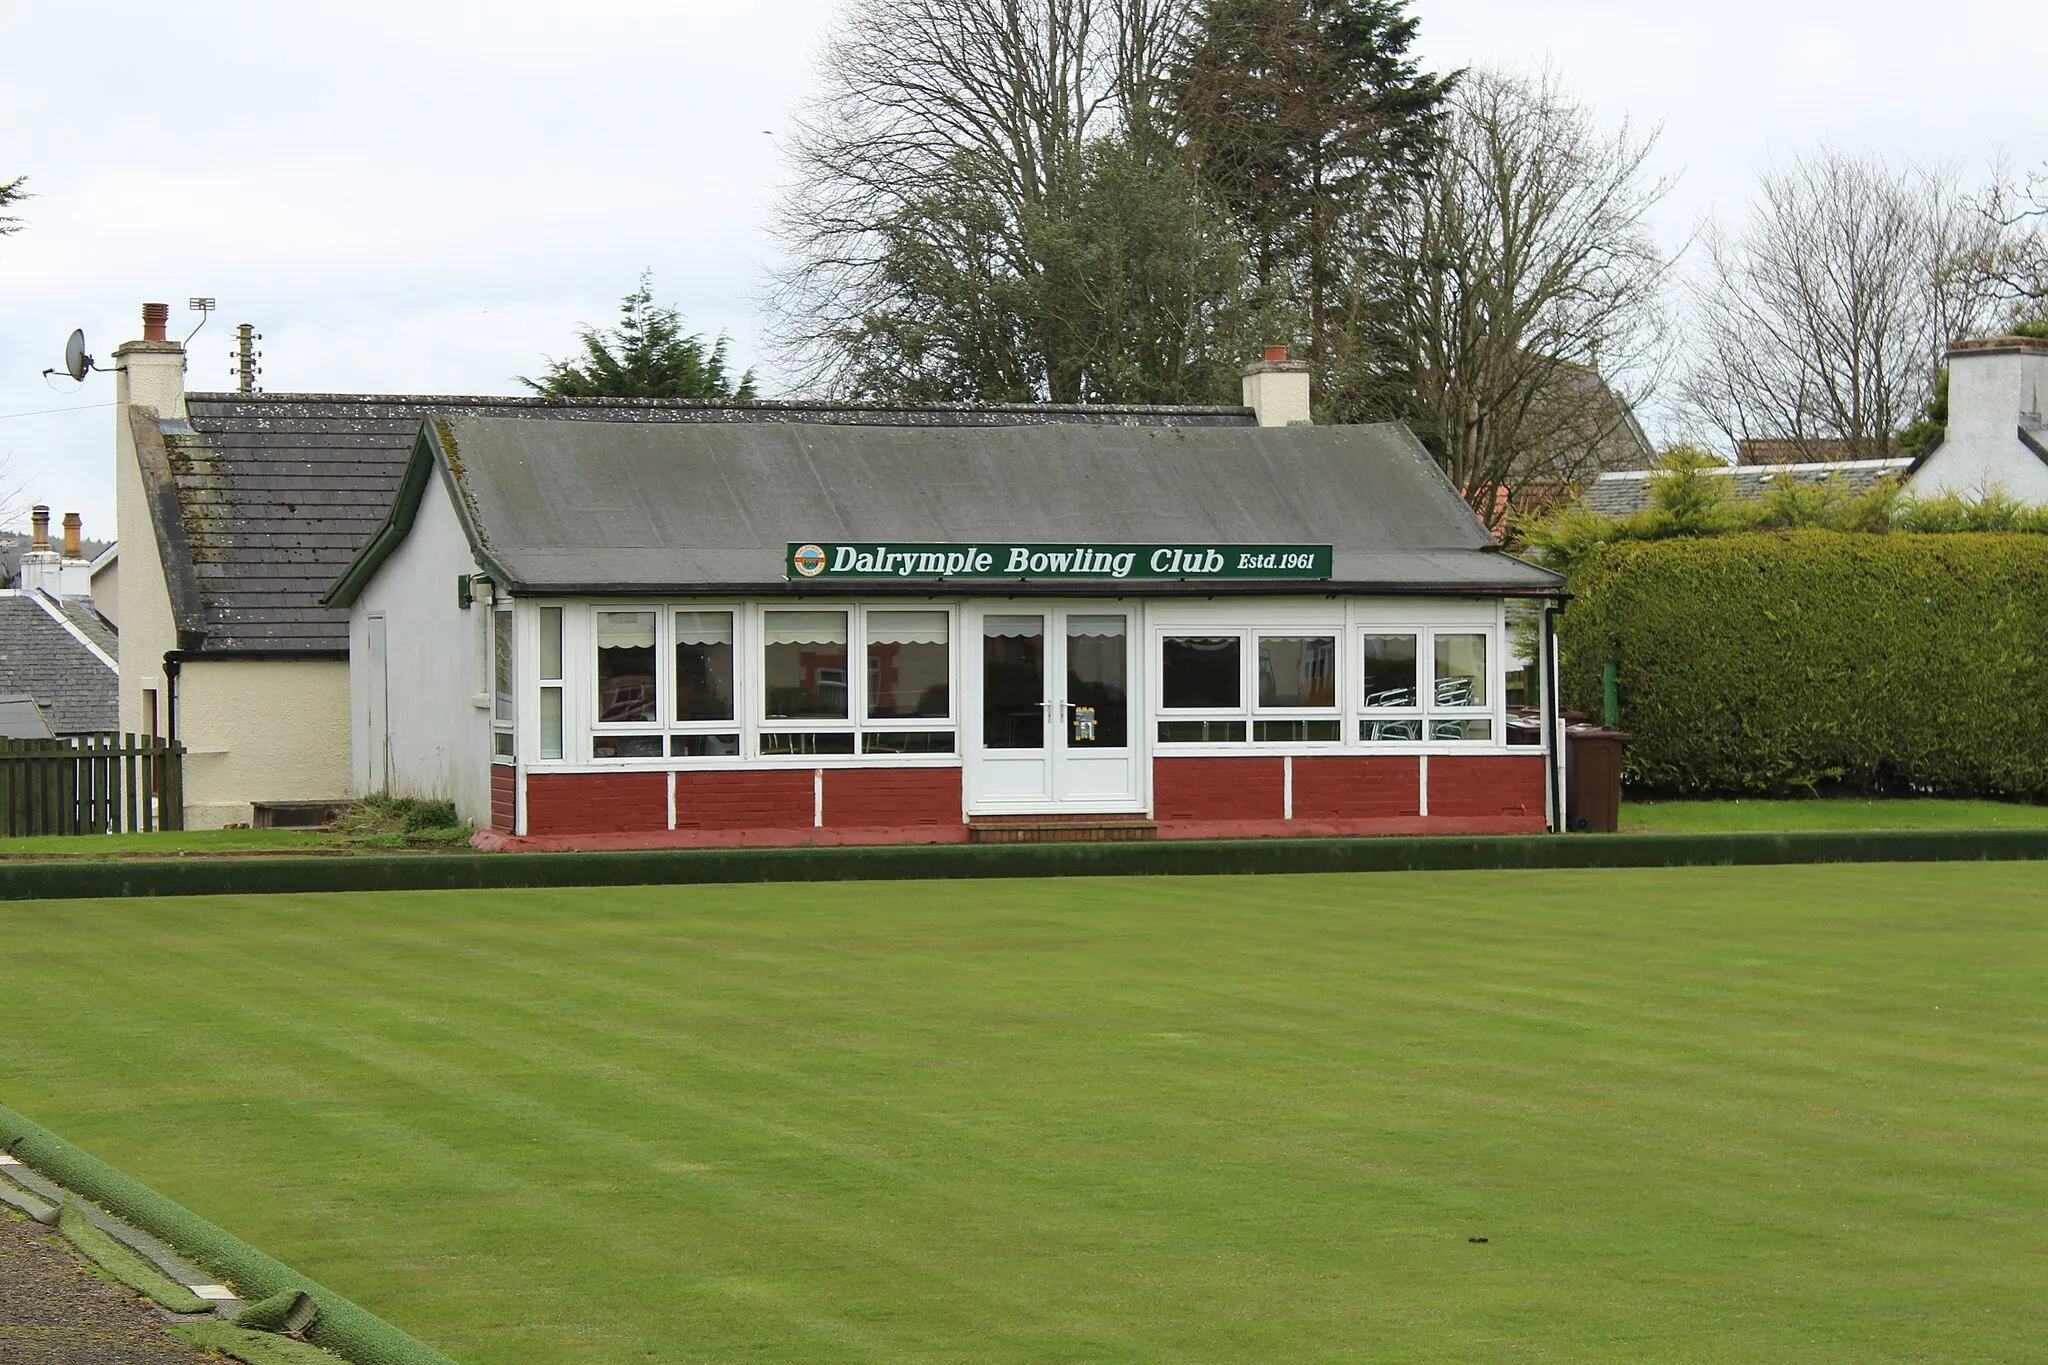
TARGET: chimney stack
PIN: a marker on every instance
(41, 570)
(72, 523)
(1276, 389)
(152, 371)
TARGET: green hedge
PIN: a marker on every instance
(1201, 858)
(1769, 663)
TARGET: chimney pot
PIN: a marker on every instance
(73, 523)
(155, 318)
(1276, 355)
(39, 524)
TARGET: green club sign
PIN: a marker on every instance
(842, 560)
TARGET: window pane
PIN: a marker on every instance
(1472, 731)
(1097, 661)
(1297, 731)
(1297, 670)
(1013, 682)
(907, 742)
(1201, 732)
(501, 666)
(1407, 731)
(1199, 671)
(703, 746)
(838, 742)
(909, 664)
(804, 667)
(551, 720)
(625, 666)
(551, 643)
(703, 665)
(1390, 670)
(626, 746)
(1461, 670)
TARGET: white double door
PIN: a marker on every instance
(1054, 722)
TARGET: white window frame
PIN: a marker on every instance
(507, 726)
(1426, 711)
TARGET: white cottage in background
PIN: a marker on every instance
(1997, 438)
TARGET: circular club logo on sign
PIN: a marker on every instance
(809, 560)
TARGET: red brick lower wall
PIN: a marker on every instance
(1193, 798)
(1218, 788)
(1360, 788)
(1488, 786)
(504, 797)
(596, 803)
(891, 797)
(772, 798)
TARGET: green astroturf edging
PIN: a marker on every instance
(343, 1328)
(480, 871)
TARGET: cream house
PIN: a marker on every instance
(1997, 437)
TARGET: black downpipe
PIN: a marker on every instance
(1553, 705)
(171, 665)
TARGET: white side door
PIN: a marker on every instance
(1052, 723)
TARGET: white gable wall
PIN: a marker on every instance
(436, 686)
(1991, 391)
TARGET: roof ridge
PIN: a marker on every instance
(701, 404)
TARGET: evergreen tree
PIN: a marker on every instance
(1310, 119)
(12, 193)
(645, 356)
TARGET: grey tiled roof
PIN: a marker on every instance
(587, 507)
(1623, 492)
(39, 657)
(277, 492)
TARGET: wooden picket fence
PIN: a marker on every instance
(91, 784)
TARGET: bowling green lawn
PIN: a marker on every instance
(1729, 1114)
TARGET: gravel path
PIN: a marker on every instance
(55, 1312)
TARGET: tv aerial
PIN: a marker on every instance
(77, 363)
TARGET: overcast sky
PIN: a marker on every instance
(429, 197)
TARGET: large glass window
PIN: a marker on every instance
(703, 683)
(502, 709)
(1098, 653)
(1460, 670)
(1389, 672)
(551, 682)
(803, 671)
(1200, 672)
(1013, 682)
(909, 665)
(625, 667)
(1297, 671)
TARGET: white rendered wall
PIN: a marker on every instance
(106, 592)
(1989, 394)
(439, 734)
(142, 602)
(262, 730)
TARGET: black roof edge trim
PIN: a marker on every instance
(272, 654)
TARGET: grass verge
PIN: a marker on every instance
(1827, 813)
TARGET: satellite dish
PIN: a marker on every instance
(76, 361)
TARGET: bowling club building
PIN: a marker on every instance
(621, 632)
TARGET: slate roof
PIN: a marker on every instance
(262, 500)
(593, 507)
(1623, 492)
(40, 658)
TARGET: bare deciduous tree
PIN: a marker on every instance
(926, 101)
(1826, 318)
(1536, 289)
(2015, 260)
